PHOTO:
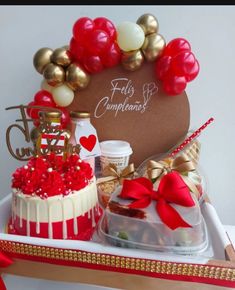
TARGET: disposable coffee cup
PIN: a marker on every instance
(116, 152)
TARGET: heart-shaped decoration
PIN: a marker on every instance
(88, 142)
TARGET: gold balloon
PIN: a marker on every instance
(76, 77)
(132, 60)
(148, 23)
(153, 46)
(54, 74)
(41, 58)
(61, 57)
(34, 134)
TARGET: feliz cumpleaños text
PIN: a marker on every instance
(125, 88)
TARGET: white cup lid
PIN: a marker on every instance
(115, 148)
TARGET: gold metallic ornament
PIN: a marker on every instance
(41, 58)
(148, 23)
(61, 57)
(80, 114)
(145, 266)
(76, 77)
(132, 60)
(34, 134)
(54, 74)
(153, 46)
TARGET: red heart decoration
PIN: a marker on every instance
(88, 142)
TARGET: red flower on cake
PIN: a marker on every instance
(71, 162)
(53, 184)
(75, 180)
(38, 163)
(86, 168)
(78, 173)
(56, 162)
(26, 179)
(50, 175)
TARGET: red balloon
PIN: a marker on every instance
(34, 113)
(177, 45)
(106, 25)
(193, 72)
(65, 118)
(174, 85)
(97, 42)
(112, 56)
(92, 63)
(183, 63)
(44, 98)
(76, 50)
(163, 66)
(36, 122)
(29, 109)
(81, 28)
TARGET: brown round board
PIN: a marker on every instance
(132, 106)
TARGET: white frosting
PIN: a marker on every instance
(57, 208)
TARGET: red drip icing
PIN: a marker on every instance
(85, 229)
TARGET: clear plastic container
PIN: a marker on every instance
(150, 233)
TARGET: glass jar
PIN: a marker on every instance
(81, 127)
(116, 152)
(52, 138)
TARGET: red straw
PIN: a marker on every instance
(191, 137)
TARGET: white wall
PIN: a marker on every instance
(209, 29)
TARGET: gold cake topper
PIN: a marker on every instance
(48, 137)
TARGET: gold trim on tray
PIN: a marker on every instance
(145, 265)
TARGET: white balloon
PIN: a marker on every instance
(130, 36)
(45, 86)
(63, 95)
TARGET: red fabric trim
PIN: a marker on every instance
(2, 285)
(86, 265)
(5, 261)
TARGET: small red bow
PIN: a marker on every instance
(172, 189)
(4, 262)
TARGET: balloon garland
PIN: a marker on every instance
(176, 66)
(93, 44)
(45, 99)
(96, 45)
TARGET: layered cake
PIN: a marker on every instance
(54, 198)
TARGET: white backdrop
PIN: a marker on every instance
(209, 29)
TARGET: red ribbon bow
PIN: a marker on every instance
(172, 189)
(4, 262)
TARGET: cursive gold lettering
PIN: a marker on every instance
(45, 127)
